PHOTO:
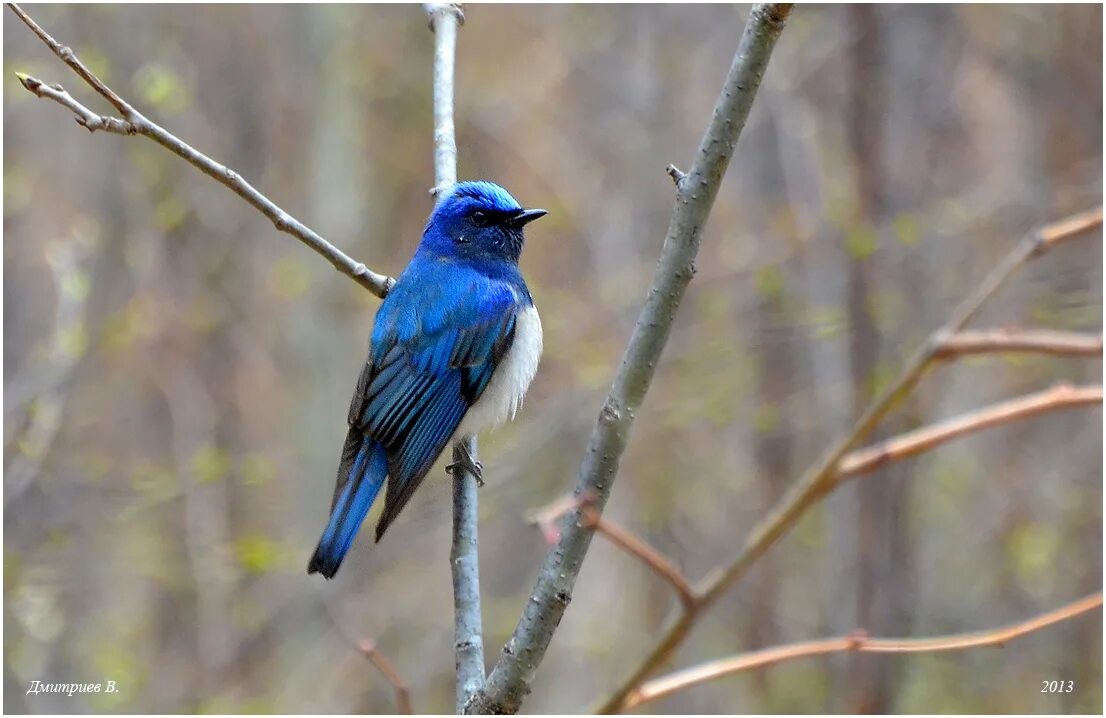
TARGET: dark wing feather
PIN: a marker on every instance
(412, 395)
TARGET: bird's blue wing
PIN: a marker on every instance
(435, 347)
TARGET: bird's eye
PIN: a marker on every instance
(479, 219)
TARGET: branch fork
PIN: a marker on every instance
(134, 123)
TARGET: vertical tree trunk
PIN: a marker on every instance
(773, 445)
(880, 506)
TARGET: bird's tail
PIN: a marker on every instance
(364, 480)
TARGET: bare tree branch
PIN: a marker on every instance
(468, 630)
(85, 117)
(509, 681)
(1004, 340)
(636, 547)
(378, 659)
(713, 670)
(547, 518)
(822, 477)
(915, 442)
(133, 122)
(1066, 229)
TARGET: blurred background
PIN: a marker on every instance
(177, 373)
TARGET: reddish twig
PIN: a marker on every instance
(858, 642)
(1070, 227)
(378, 659)
(1005, 341)
(546, 520)
(1061, 396)
(648, 555)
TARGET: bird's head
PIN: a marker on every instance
(479, 220)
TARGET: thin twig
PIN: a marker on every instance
(547, 519)
(915, 442)
(67, 56)
(1004, 340)
(133, 122)
(378, 659)
(85, 117)
(468, 630)
(509, 681)
(820, 479)
(648, 555)
(1069, 228)
(713, 670)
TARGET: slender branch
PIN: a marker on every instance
(1069, 228)
(445, 19)
(85, 117)
(547, 518)
(468, 631)
(378, 659)
(713, 670)
(820, 479)
(510, 680)
(1002, 340)
(643, 551)
(67, 56)
(915, 442)
(133, 122)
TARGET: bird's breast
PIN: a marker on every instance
(508, 385)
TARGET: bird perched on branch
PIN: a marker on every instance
(454, 347)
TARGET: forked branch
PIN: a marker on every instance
(133, 122)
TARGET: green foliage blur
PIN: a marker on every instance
(177, 373)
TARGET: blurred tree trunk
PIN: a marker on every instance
(881, 537)
(773, 445)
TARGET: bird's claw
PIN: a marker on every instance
(465, 462)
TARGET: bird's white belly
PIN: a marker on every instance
(504, 394)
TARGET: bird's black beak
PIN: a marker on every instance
(525, 217)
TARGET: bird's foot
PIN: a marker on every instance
(465, 462)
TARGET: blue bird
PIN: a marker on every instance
(453, 350)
